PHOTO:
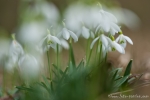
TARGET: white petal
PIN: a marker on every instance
(128, 39)
(85, 32)
(118, 47)
(73, 35)
(65, 34)
(42, 41)
(113, 32)
(64, 44)
(106, 26)
(124, 44)
(117, 39)
(53, 46)
(55, 40)
(115, 27)
(92, 44)
(59, 34)
(97, 29)
(112, 17)
(104, 40)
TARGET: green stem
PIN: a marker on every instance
(57, 55)
(105, 57)
(58, 59)
(87, 48)
(100, 54)
(89, 56)
(49, 66)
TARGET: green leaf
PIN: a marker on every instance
(47, 83)
(119, 82)
(128, 69)
(81, 64)
(59, 70)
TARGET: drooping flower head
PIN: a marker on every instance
(66, 34)
(49, 41)
(15, 52)
(108, 23)
(114, 45)
(29, 67)
(122, 40)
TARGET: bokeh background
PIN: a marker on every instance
(10, 21)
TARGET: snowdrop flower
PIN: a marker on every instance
(115, 46)
(122, 39)
(29, 67)
(49, 41)
(108, 23)
(66, 34)
(102, 38)
(15, 52)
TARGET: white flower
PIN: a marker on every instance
(122, 40)
(29, 67)
(108, 23)
(107, 16)
(65, 33)
(49, 41)
(15, 51)
(115, 46)
(102, 38)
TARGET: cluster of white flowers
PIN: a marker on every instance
(86, 20)
(98, 24)
(17, 58)
(105, 27)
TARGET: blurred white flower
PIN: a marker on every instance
(15, 52)
(66, 34)
(31, 33)
(29, 67)
(49, 41)
(132, 21)
(74, 16)
(50, 12)
(122, 40)
(108, 23)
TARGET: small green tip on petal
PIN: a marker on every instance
(13, 36)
